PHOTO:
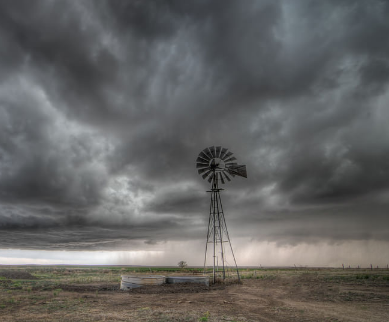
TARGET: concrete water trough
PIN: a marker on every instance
(130, 281)
(188, 279)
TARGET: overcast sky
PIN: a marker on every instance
(105, 105)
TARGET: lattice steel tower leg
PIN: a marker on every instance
(217, 230)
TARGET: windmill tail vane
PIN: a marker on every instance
(217, 164)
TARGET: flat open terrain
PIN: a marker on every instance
(59, 293)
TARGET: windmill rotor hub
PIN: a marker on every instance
(217, 164)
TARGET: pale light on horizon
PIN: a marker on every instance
(247, 252)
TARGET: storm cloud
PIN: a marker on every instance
(105, 105)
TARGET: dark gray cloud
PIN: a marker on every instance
(105, 105)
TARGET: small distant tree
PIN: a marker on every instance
(182, 264)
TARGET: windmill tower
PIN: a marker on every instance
(217, 164)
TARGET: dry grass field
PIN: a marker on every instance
(58, 293)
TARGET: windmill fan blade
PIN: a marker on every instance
(218, 148)
(213, 152)
(201, 160)
(227, 177)
(239, 170)
(231, 164)
(230, 159)
(206, 174)
(211, 178)
(204, 156)
(227, 156)
(201, 165)
(221, 178)
(223, 152)
(207, 153)
(200, 171)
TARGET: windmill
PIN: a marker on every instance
(217, 164)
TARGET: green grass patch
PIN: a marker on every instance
(205, 317)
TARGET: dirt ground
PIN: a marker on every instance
(272, 295)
